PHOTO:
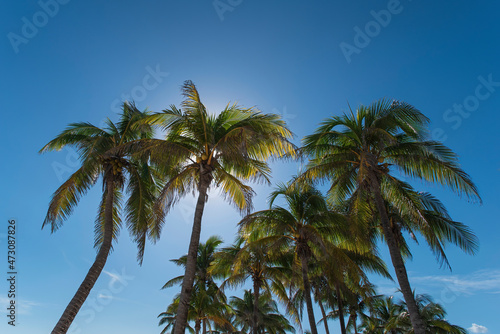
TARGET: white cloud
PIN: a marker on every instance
(23, 306)
(475, 328)
(479, 281)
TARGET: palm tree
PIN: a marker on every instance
(269, 319)
(206, 308)
(305, 227)
(360, 153)
(202, 150)
(384, 317)
(244, 260)
(387, 316)
(207, 302)
(340, 286)
(358, 300)
(205, 257)
(434, 317)
(99, 158)
(167, 318)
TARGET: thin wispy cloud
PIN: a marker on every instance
(114, 277)
(23, 306)
(475, 328)
(103, 296)
(111, 297)
(487, 280)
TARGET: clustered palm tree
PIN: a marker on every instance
(307, 247)
(388, 316)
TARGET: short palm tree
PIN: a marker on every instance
(385, 316)
(202, 151)
(243, 260)
(305, 227)
(206, 309)
(360, 154)
(167, 319)
(434, 317)
(207, 302)
(388, 316)
(338, 278)
(99, 159)
(269, 319)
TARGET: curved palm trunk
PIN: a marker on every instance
(95, 270)
(307, 295)
(187, 283)
(397, 260)
(323, 313)
(256, 295)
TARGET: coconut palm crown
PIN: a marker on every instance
(361, 155)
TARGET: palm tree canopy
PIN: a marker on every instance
(99, 154)
(232, 147)
(388, 315)
(390, 139)
(387, 136)
(206, 256)
(269, 319)
(207, 301)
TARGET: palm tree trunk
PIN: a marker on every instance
(204, 326)
(187, 283)
(323, 313)
(95, 270)
(307, 295)
(341, 310)
(256, 295)
(197, 326)
(397, 260)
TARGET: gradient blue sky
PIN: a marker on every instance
(281, 56)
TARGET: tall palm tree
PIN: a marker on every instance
(202, 151)
(270, 320)
(305, 227)
(244, 260)
(360, 153)
(99, 159)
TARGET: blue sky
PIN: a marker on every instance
(303, 59)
